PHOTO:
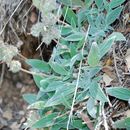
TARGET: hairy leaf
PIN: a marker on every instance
(39, 65)
(77, 36)
(113, 15)
(94, 55)
(46, 121)
(58, 68)
(69, 15)
(115, 3)
(97, 93)
(30, 98)
(99, 3)
(119, 92)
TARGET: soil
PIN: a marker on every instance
(12, 106)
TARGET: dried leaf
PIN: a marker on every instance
(87, 120)
(107, 79)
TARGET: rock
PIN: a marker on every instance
(7, 114)
(15, 126)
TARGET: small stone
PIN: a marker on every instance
(15, 126)
(19, 85)
(21, 113)
(23, 90)
(7, 114)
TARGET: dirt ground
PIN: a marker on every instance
(12, 106)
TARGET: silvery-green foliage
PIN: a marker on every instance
(56, 91)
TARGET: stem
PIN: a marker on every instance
(77, 83)
(34, 73)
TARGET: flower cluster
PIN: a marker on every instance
(47, 27)
(7, 52)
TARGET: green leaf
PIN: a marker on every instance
(39, 65)
(61, 122)
(73, 3)
(78, 124)
(73, 50)
(55, 127)
(108, 42)
(80, 43)
(30, 98)
(97, 93)
(44, 83)
(46, 121)
(58, 68)
(83, 95)
(69, 15)
(42, 96)
(66, 30)
(77, 36)
(88, 3)
(75, 58)
(113, 15)
(73, 24)
(106, 46)
(94, 55)
(81, 17)
(37, 105)
(57, 98)
(115, 3)
(124, 123)
(37, 80)
(54, 85)
(99, 3)
(118, 36)
(91, 108)
(119, 92)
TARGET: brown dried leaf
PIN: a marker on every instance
(109, 71)
(87, 120)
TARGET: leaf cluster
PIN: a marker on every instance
(56, 91)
